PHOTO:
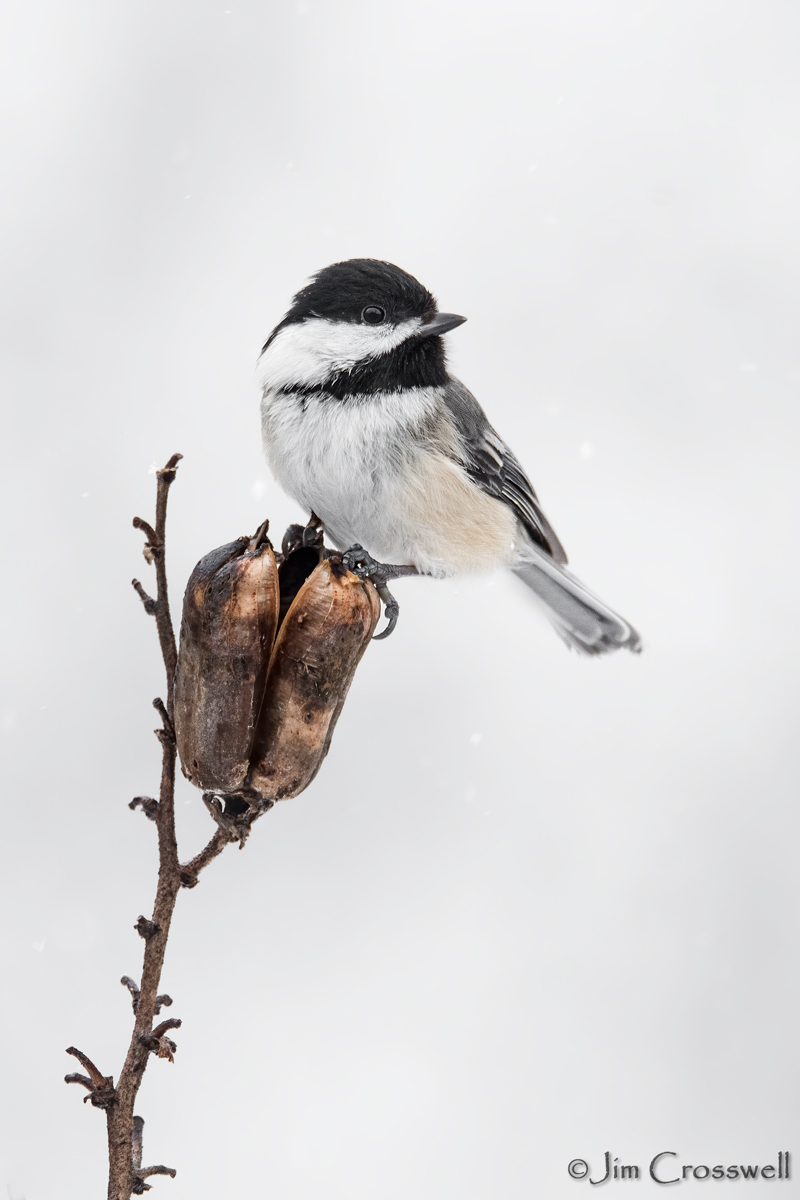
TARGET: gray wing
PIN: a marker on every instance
(491, 465)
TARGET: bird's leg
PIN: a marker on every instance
(365, 566)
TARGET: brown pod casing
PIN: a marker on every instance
(230, 617)
(321, 641)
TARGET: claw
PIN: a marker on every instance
(365, 566)
(359, 562)
(391, 611)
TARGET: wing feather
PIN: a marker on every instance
(495, 469)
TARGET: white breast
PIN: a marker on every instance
(344, 460)
(367, 471)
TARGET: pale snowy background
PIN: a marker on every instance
(534, 907)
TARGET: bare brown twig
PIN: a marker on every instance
(191, 870)
(155, 552)
(124, 1179)
(149, 603)
(126, 1174)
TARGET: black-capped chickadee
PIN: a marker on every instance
(364, 426)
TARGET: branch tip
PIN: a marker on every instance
(169, 470)
(169, 729)
(150, 605)
(148, 531)
(148, 805)
(76, 1077)
(133, 988)
(170, 1023)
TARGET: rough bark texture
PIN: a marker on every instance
(123, 1181)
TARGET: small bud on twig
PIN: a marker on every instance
(148, 805)
(152, 546)
(170, 1023)
(150, 605)
(161, 1001)
(148, 531)
(133, 988)
(76, 1077)
(158, 1042)
(165, 735)
(146, 929)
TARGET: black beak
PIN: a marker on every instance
(436, 323)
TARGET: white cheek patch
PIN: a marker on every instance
(311, 351)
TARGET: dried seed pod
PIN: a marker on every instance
(230, 618)
(300, 556)
(326, 631)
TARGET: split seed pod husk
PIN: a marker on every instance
(321, 641)
(230, 618)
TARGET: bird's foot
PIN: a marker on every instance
(365, 566)
(362, 564)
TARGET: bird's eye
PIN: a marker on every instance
(372, 315)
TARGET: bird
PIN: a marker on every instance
(395, 459)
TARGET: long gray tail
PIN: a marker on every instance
(580, 619)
